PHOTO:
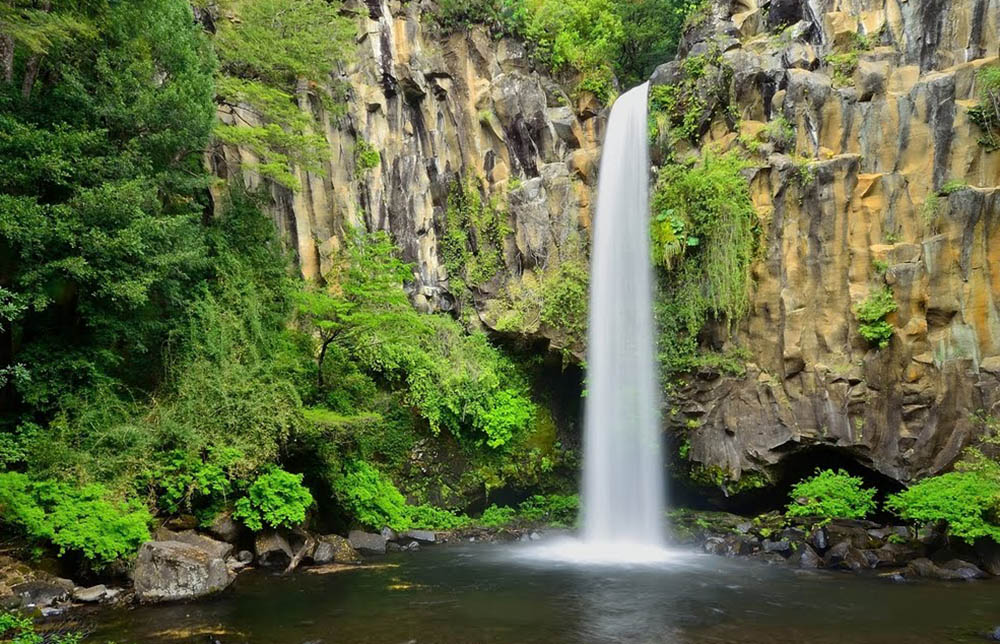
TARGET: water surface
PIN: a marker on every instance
(479, 593)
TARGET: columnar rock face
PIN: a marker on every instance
(441, 108)
(888, 185)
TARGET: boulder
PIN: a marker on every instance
(335, 549)
(782, 547)
(424, 536)
(173, 570)
(965, 569)
(272, 549)
(216, 548)
(989, 555)
(225, 527)
(819, 539)
(40, 594)
(389, 534)
(90, 595)
(845, 556)
(955, 570)
(807, 558)
(367, 543)
(994, 635)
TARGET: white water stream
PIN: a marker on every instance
(623, 490)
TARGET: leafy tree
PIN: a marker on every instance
(457, 380)
(652, 31)
(274, 55)
(98, 219)
(831, 495)
(968, 499)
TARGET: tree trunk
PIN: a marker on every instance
(30, 74)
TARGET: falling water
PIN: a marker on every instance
(623, 497)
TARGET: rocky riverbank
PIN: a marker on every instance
(182, 563)
(899, 552)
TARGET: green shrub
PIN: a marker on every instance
(987, 113)
(497, 516)
(277, 499)
(370, 497)
(871, 314)
(428, 517)
(366, 157)
(79, 520)
(831, 495)
(552, 509)
(968, 501)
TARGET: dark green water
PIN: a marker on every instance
(488, 593)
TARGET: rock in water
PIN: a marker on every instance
(172, 570)
(367, 543)
(272, 548)
(39, 593)
(90, 595)
(424, 536)
(333, 548)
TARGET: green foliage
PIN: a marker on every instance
(371, 498)
(80, 520)
(557, 510)
(652, 32)
(987, 113)
(831, 495)
(497, 516)
(458, 381)
(704, 236)
(968, 501)
(274, 55)
(427, 517)
(781, 132)
(99, 172)
(871, 314)
(18, 629)
(682, 111)
(564, 299)
(472, 239)
(843, 66)
(880, 266)
(277, 499)
(366, 157)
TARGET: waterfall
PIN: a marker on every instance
(623, 485)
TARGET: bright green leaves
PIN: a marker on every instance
(370, 497)
(276, 499)
(968, 501)
(831, 495)
(871, 314)
(274, 55)
(82, 520)
(456, 380)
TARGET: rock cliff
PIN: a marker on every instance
(446, 111)
(885, 184)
